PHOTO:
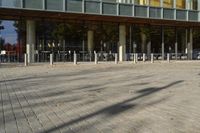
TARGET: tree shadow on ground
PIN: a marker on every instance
(117, 108)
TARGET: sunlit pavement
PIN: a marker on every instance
(88, 98)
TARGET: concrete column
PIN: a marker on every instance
(130, 38)
(176, 44)
(186, 41)
(163, 43)
(90, 37)
(122, 42)
(183, 37)
(149, 49)
(190, 44)
(30, 40)
(143, 41)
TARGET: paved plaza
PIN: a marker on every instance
(104, 98)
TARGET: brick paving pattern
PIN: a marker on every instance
(104, 98)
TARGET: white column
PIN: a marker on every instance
(122, 42)
(190, 44)
(90, 40)
(30, 40)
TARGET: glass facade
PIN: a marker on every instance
(10, 3)
(142, 2)
(73, 5)
(168, 3)
(54, 5)
(109, 8)
(155, 3)
(58, 4)
(12, 41)
(193, 4)
(125, 10)
(180, 4)
(92, 7)
(35, 4)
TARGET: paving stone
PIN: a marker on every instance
(103, 98)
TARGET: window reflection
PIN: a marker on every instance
(125, 1)
(10, 3)
(142, 2)
(193, 4)
(154, 2)
(168, 3)
(180, 4)
(11, 40)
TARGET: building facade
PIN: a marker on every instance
(40, 27)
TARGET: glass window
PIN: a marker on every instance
(193, 4)
(12, 41)
(113, 1)
(125, 10)
(92, 7)
(142, 2)
(109, 8)
(154, 2)
(36, 4)
(54, 4)
(125, 1)
(168, 3)
(10, 3)
(180, 4)
(74, 5)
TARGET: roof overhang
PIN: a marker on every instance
(15, 14)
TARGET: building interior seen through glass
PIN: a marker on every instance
(168, 3)
(154, 3)
(193, 4)
(12, 40)
(180, 4)
(141, 2)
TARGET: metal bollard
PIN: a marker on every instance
(51, 59)
(134, 58)
(144, 57)
(38, 57)
(25, 60)
(152, 58)
(75, 58)
(95, 58)
(116, 58)
(90, 56)
(168, 58)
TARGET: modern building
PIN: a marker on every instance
(40, 27)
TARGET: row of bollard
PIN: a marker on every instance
(135, 60)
